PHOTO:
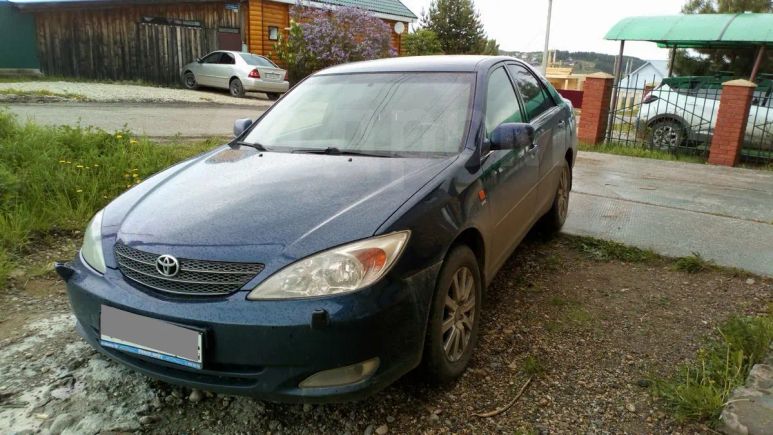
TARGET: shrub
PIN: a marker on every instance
(323, 37)
(421, 43)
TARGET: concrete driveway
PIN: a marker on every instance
(149, 119)
(676, 209)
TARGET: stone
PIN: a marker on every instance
(382, 430)
(750, 407)
(750, 281)
(61, 422)
(195, 396)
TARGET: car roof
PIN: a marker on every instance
(452, 63)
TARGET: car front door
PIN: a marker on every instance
(509, 176)
(208, 69)
(550, 128)
(224, 70)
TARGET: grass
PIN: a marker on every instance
(641, 151)
(42, 93)
(700, 389)
(53, 179)
(532, 366)
(693, 263)
(604, 250)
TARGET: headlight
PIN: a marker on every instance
(92, 244)
(340, 270)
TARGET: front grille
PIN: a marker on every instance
(195, 277)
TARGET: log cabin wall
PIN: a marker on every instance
(115, 43)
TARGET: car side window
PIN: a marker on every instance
(227, 59)
(534, 94)
(501, 102)
(212, 58)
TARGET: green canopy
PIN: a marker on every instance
(697, 31)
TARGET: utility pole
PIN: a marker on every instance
(546, 53)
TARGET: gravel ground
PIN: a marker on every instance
(103, 92)
(588, 333)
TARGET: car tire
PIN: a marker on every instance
(273, 96)
(666, 135)
(555, 218)
(236, 88)
(189, 80)
(452, 333)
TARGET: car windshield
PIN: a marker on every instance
(384, 113)
(255, 60)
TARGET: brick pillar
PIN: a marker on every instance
(597, 95)
(733, 114)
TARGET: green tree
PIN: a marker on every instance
(737, 61)
(457, 25)
(422, 42)
(492, 48)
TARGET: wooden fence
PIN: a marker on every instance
(148, 43)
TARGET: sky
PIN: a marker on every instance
(577, 25)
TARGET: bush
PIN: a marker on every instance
(421, 43)
(54, 179)
(323, 37)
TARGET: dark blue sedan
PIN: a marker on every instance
(342, 240)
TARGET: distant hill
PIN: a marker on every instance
(584, 62)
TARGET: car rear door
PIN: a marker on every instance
(224, 70)
(550, 128)
(509, 176)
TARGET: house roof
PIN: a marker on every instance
(696, 30)
(661, 66)
(394, 9)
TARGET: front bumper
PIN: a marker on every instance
(265, 349)
(259, 85)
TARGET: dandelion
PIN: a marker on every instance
(96, 165)
(118, 136)
(135, 175)
(134, 170)
(104, 197)
(62, 161)
(78, 166)
(68, 162)
(79, 190)
(133, 142)
(128, 186)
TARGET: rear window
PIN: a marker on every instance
(256, 60)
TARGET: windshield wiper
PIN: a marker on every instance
(255, 145)
(334, 151)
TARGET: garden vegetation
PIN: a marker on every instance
(53, 179)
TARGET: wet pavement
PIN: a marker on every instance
(676, 209)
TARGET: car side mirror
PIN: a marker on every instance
(241, 125)
(512, 136)
(199, 60)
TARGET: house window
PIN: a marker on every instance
(273, 33)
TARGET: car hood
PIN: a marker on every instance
(244, 205)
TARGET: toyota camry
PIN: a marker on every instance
(341, 240)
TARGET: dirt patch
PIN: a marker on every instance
(589, 333)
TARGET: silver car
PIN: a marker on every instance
(239, 72)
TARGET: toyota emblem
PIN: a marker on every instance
(167, 265)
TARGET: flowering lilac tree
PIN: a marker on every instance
(322, 37)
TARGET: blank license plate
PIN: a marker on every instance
(273, 76)
(150, 337)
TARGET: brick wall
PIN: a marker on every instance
(733, 114)
(596, 98)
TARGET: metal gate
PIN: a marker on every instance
(679, 115)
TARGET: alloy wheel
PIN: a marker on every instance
(666, 136)
(236, 88)
(563, 195)
(190, 80)
(459, 314)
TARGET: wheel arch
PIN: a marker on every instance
(473, 239)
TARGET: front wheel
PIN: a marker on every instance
(236, 88)
(189, 80)
(454, 317)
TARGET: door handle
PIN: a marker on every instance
(562, 123)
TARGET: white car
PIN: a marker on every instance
(239, 72)
(676, 116)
